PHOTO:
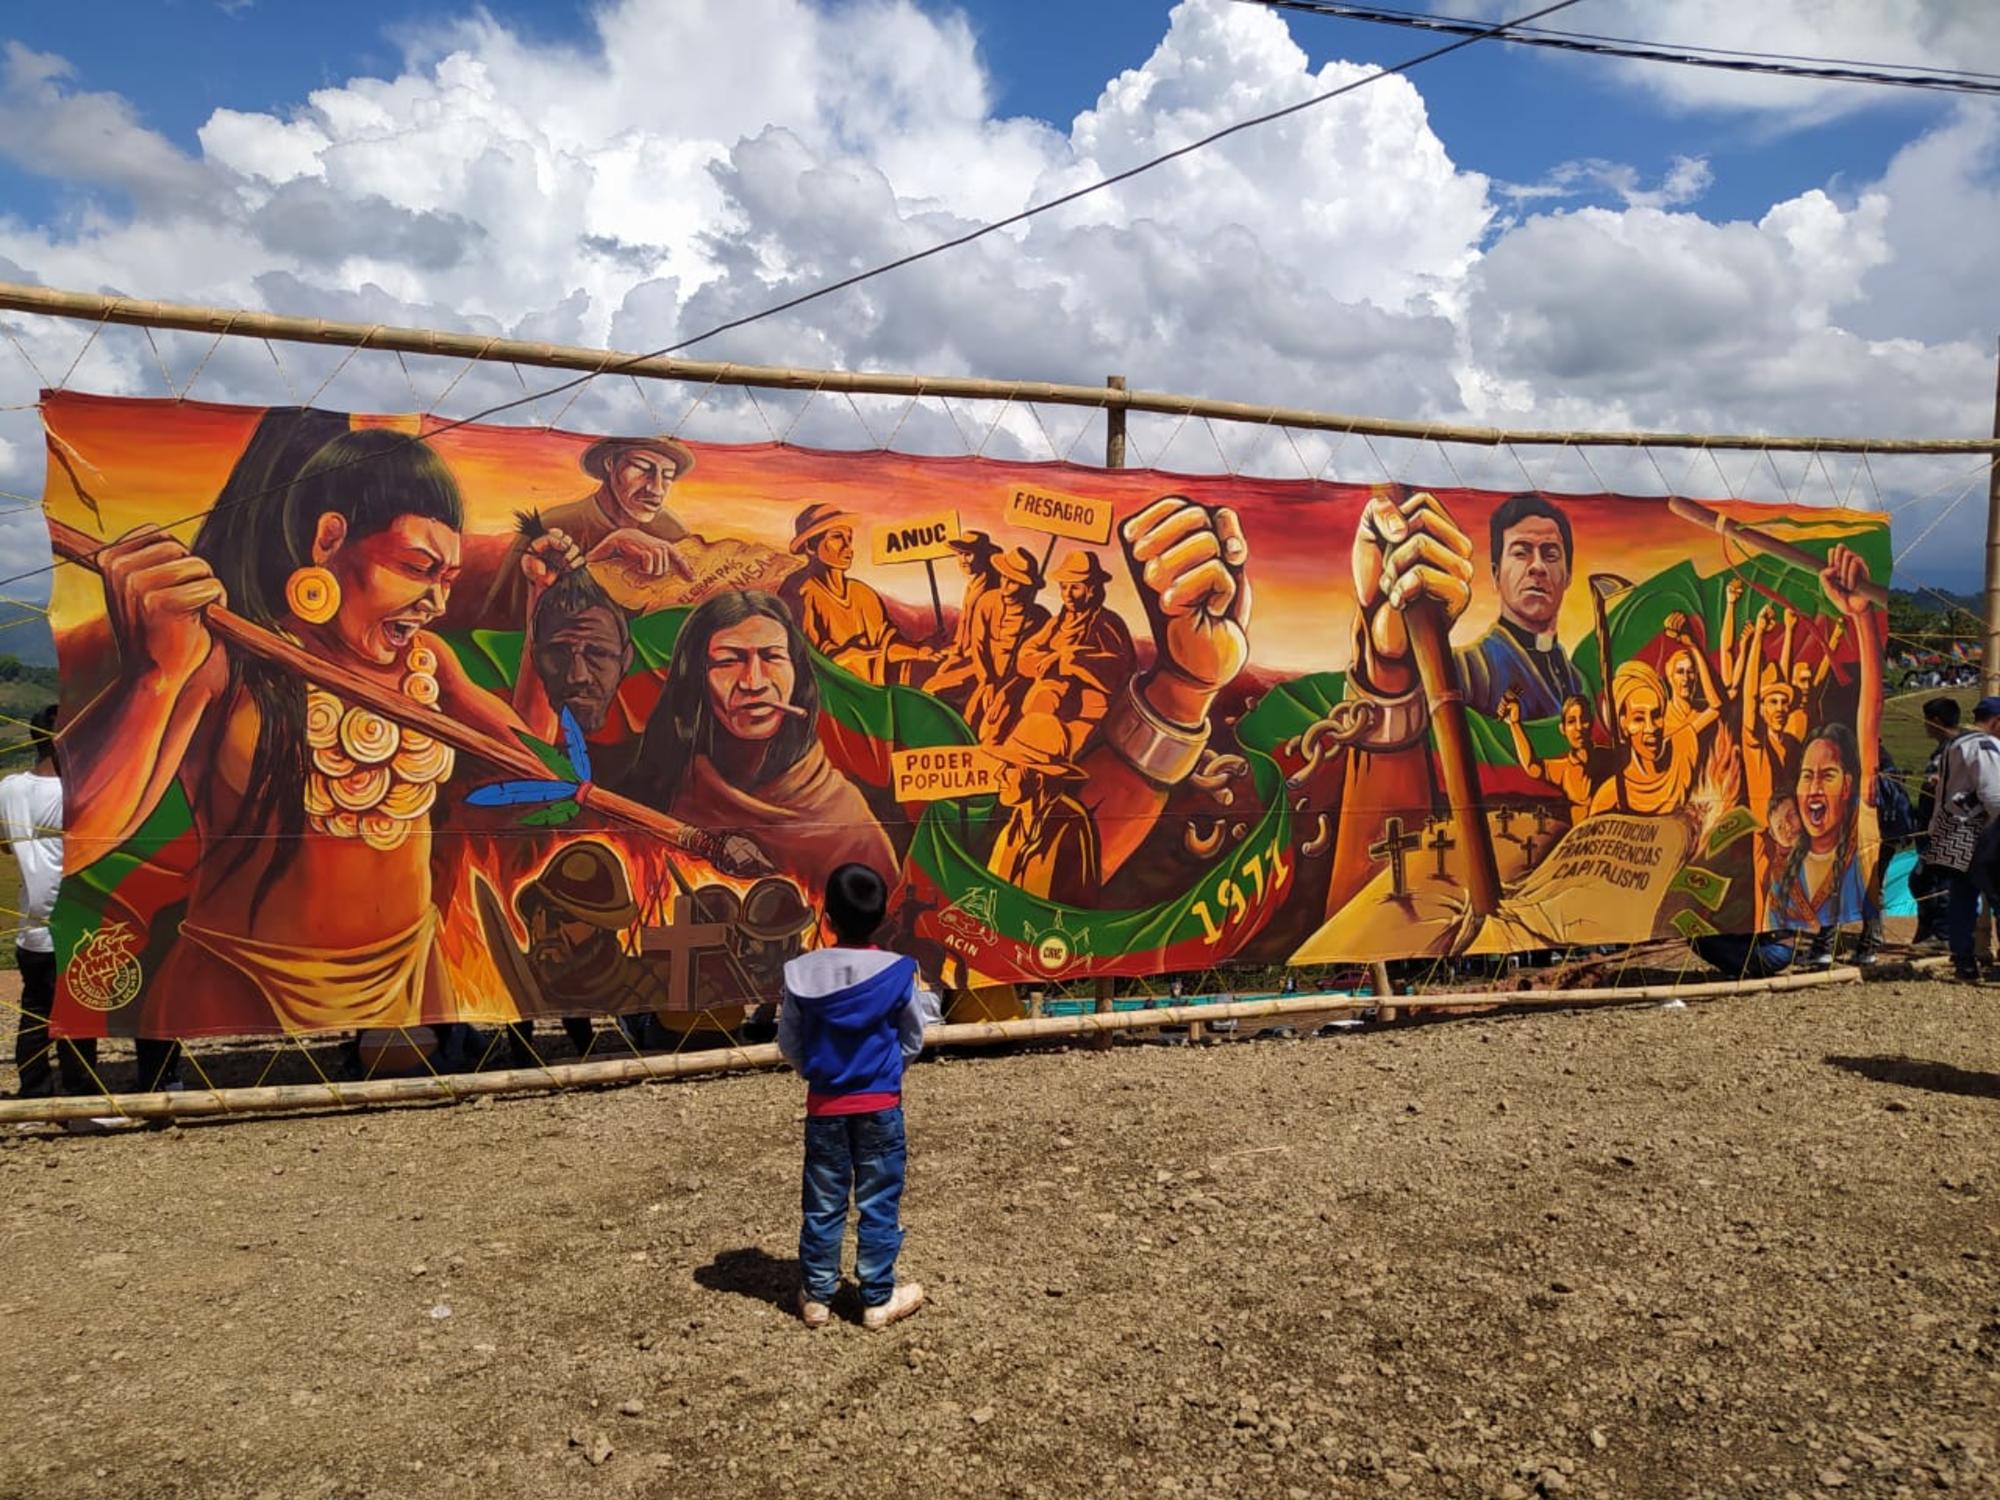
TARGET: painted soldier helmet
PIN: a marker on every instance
(587, 881)
(774, 911)
(717, 903)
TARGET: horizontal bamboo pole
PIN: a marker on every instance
(247, 323)
(444, 1087)
(1752, 540)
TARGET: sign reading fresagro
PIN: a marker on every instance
(940, 771)
(927, 538)
(1081, 517)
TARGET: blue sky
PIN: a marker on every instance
(1505, 111)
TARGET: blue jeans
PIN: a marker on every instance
(863, 1154)
(1961, 919)
(1762, 956)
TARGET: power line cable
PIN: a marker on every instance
(616, 367)
(1801, 57)
(1823, 69)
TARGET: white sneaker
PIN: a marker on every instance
(813, 1314)
(905, 1300)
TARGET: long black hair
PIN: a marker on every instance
(682, 724)
(574, 592)
(301, 464)
(1848, 749)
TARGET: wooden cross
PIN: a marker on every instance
(1393, 846)
(1505, 817)
(1541, 818)
(1441, 842)
(681, 940)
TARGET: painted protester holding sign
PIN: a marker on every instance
(843, 617)
(1073, 665)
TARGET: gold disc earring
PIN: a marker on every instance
(313, 595)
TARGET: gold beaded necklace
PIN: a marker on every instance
(370, 777)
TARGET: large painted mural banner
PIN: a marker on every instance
(369, 721)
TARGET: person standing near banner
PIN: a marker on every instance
(1928, 884)
(31, 821)
(1968, 805)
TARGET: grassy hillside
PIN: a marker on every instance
(25, 637)
(24, 688)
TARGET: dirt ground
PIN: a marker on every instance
(1742, 1248)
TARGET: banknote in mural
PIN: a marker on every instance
(1087, 722)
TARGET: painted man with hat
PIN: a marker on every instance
(956, 674)
(624, 522)
(843, 617)
(1048, 845)
(1079, 659)
(1005, 619)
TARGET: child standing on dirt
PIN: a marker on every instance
(852, 1015)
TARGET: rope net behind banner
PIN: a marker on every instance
(1385, 643)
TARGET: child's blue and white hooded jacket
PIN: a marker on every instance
(850, 1019)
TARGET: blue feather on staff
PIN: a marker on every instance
(574, 746)
(519, 793)
(560, 791)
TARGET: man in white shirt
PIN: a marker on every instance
(31, 823)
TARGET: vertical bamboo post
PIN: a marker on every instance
(1430, 646)
(1114, 427)
(1384, 990)
(1990, 667)
(1114, 458)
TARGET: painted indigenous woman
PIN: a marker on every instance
(311, 902)
(1659, 766)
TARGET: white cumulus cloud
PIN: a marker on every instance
(688, 164)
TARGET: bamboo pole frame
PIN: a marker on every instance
(1752, 540)
(1990, 667)
(248, 323)
(437, 1088)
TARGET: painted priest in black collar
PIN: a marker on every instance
(1532, 558)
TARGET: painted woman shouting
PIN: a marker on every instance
(310, 906)
(1829, 877)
